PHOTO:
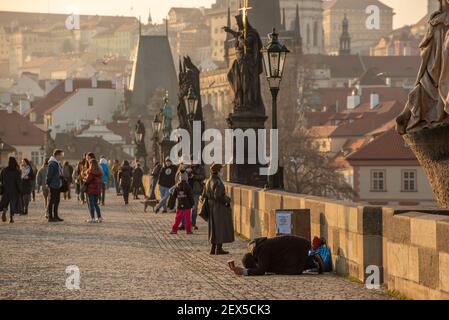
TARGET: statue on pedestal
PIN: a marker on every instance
(424, 123)
(249, 109)
(167, 116)
(139, 136)
(244, 75)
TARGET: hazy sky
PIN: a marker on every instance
(407, 11)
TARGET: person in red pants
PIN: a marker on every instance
(183, 193)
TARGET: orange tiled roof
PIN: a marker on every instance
(17, 130)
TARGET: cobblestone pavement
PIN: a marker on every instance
(132, 256)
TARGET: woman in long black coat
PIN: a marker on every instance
(221, 226)
(11, 189)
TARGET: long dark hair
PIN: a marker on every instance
(12, 164)
(94, 167)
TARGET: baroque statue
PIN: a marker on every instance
(167, 116)
(244, 75)
(428, 103)
(189, 77)
(424, 123)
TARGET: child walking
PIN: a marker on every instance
(184, 195)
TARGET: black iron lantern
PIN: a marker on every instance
(191, 102)
(274, 55)
(156, 124)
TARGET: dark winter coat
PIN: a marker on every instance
(125, 176)
(94, 183)
(221, 227)
(285, 255)
(54, 174)
(197, 179)
(167, 176)
(184, 196)
(11, 188)
(137, 177)
(27, 181)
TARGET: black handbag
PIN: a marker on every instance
(64, 185)
(203, 209)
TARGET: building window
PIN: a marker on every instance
(90, 101)
(35, 158)
(409, 181)
(378, 181)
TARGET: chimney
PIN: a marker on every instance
(374, 100)
(94, 82)
(68, 85)
(353, 101)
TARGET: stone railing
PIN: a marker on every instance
(411, 250)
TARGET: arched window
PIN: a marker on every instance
(315, 34)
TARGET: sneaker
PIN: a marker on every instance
(195, 228)
(4, 216)
(181, 228)
(58, 219)
(90, 221)
(99, 220)
(157, 210)
(172, 232)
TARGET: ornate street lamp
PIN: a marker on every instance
(157, 127)
(191, 102)
(274, 55)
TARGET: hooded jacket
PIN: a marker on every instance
(54, 174)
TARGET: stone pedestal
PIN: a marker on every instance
(246, 174)
(431, 148)
(166, 146)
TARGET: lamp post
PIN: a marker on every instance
(191, 102)
(274, 55)
(156, 126)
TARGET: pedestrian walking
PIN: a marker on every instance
(125, 178)
(33, 182)
(155, 178)
(67, 173)
(220, 224)
(137, 181)
(104, 178)
(183, 194)
(10, 190)
(79, 182)
(41, 183)
(166, 181)
(27, 176)
(196, 182)
(93, 185)
(54, 183)
(114, 170)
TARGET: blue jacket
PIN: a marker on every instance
(54, 174)
(105, 169)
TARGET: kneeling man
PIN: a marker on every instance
(283, 255)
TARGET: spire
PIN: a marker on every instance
(345, 38)
(284, 24)
(297, 31)
(150, 19)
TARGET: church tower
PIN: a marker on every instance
(311, 22)
(345, 38)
